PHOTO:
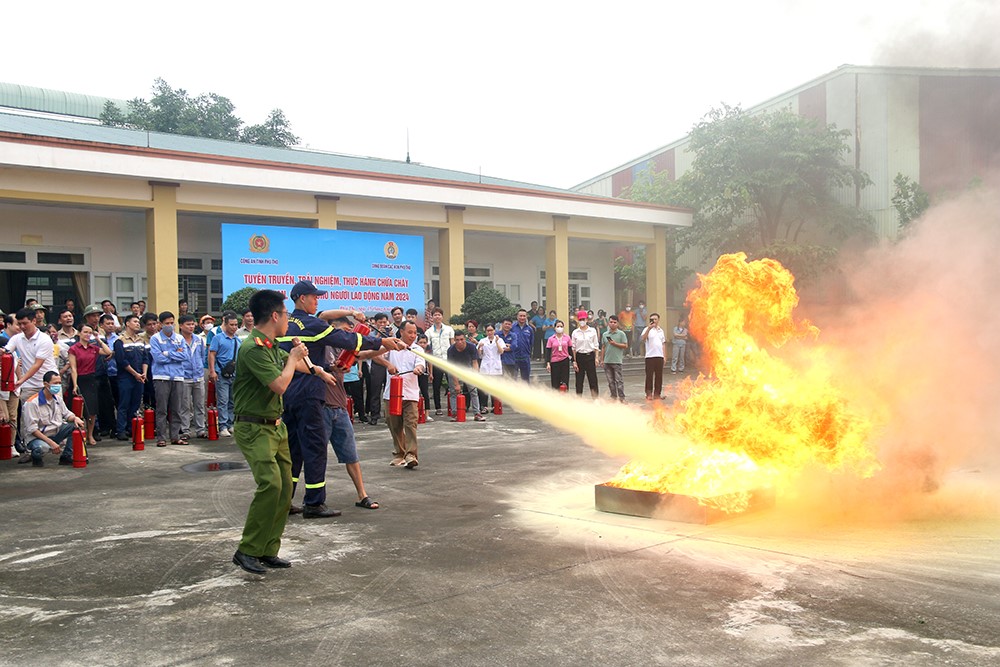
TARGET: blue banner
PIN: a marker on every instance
(359, 270)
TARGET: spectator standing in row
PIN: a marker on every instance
(10, 329)
(132, 361)
(222, 352)
(193, 394)
(506, 334)
(680, 338)
(441, 337)
(109, 334)
(655, 340)
(463, 354)
(83, 362)
(523, 335)
(614, 342)
(490, 349)
(35, 353)
(246, 327)
(585, 346)
(150, 327)
(537, 322)
(626, 320)
(376, 372)
(66, 337)
(397, 320)
(641, 318)
(109, 308)
(559, 349)
(167, 355)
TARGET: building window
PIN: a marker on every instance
(189, 263)
(12, 257)
(75, 258)
(217, 265)
(582, 276)
(216, 286)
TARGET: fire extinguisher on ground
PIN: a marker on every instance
(79, 449)
(210, 394)
(213, 423)
(497, 406)
(421, 411)
(460, 407)
(6, 441)
(149, 417)
(350, 408)
(138, 433)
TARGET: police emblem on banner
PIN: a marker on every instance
(259, 243)
(391, 250)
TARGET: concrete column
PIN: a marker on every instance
(161, 247)
(326, 211)
(656, 272)
(557, 268)
(451, 251)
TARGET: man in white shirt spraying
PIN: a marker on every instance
(403, 428)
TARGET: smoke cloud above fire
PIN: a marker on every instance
(964, 35)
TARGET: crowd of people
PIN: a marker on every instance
(285, 382)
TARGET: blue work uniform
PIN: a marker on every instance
(305, 397)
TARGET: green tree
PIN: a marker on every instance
(764, 184)
(174, 111)
(238, 301)
(633, 273)
(274, 131)
(485, 305)
(909, 199)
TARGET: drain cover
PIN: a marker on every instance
(216, 466)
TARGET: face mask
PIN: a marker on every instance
(559, 329)
(628, 307)
(583, 323)
(55, 389)
(168, 330)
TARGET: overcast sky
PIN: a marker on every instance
(545, 92)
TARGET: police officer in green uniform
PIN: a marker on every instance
(263, 372)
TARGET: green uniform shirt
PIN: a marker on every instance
(612, 354)
(258, 364)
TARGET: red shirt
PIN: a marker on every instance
(86, 357)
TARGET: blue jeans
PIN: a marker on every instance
(129, 402)
(38, 447)
(224, 401)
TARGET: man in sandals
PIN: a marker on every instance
(338, 421)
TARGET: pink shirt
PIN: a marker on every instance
(559, 344)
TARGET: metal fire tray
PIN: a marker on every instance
(670, 506)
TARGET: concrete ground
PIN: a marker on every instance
(489, 553)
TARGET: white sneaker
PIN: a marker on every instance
(224, 433)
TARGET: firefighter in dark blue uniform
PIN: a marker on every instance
(305, 396)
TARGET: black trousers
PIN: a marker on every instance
(107, 418)
(376, 383)
(357, 395)
(424, 385)
(654, 376)
(439, 378)
(559, 372)
(587, 364)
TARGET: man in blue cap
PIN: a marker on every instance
(304, 399)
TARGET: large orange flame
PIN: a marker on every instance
(756, 420)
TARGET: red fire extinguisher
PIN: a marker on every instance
(7, 371)
(350, 408)
(79, 449)
(78, 406)
(562, 387)
(460, 407)
(396, 395)
(210, 394)
(138, 434)
(149, 417)
(497, 406)
(447, 399)
(348, 357)
(421, 411)
(213, 423)
(6, 441)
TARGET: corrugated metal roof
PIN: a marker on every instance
(31, 98)
(66, 129)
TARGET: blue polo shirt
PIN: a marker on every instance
(225, 349)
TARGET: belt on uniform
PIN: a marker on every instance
(258, 420)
